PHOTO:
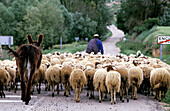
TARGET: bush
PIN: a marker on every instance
(149, 23)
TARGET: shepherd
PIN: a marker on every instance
(95, 45)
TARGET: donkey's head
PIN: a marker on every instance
(37, 43)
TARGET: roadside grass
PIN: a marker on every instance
(72, 48)
(149, 37)
(167, 99)
(145, 42)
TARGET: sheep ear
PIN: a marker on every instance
(40, 38)
(29, 38)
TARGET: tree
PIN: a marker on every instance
(135, 12)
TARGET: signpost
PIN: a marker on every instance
(163, 40)
(60, 43)
(86, 39)
(6, 40)
(76, 38)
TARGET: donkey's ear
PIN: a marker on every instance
(29, 38)
(40, 38)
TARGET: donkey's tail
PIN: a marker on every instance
(13, 52)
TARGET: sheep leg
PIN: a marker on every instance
(127, 97)
(121, 93)
(156, 95)
(32, 89)
(105, 95)
(53, 88)
(123, 99)
(165, 91)
(79, 92)
(93, 94)
(39, 88)
(159, 95)
(132, 92)
(135, 93)
(61, 86)
(111, 96)
(65, 85)
(114, 96)
(87, 92)
(1, 91)
(69, 88)
(99, 96)
(58, 88)
(102, 94)
(76, 96)
(14, 86)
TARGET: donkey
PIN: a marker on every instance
(28, 59)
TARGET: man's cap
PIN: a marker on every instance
(96, 35)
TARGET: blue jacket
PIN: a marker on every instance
(100, 46)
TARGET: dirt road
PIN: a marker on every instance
(109, 44)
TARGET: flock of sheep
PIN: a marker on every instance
(103, 73)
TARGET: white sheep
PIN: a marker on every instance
(4, 79)
(12, 73)
(53, 74)
(135, 75)
(113, 81)
(89, 72)
(99, 82)
(39, 77)
(124, 82)
(145, 86)
(160, 81)
(77, 81)
(65, 75)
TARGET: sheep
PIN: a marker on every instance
(160, 81)
(124, 82)
(4, 79)
(135, 75)
(99, 82)
(77, 81)
(89, 72)
(65, 74)
(53, 74)
(12, 73)
(113, 82)
(39, 77)
(55, 61)
(145, 86)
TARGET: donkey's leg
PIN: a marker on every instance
(21, 72)
(29, 84)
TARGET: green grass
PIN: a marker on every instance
(167, 100)
(67, 48)
(149, 37)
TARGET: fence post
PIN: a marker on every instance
(60, 43)
(9, 45)
(161, 52)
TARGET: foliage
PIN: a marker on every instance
(129, 17)
(167, 100)
(149, 37)
(146, 25)
(96, 10)
(67, 48)
(54, 19)
(165, 19)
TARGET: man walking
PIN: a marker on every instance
(95, 45)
